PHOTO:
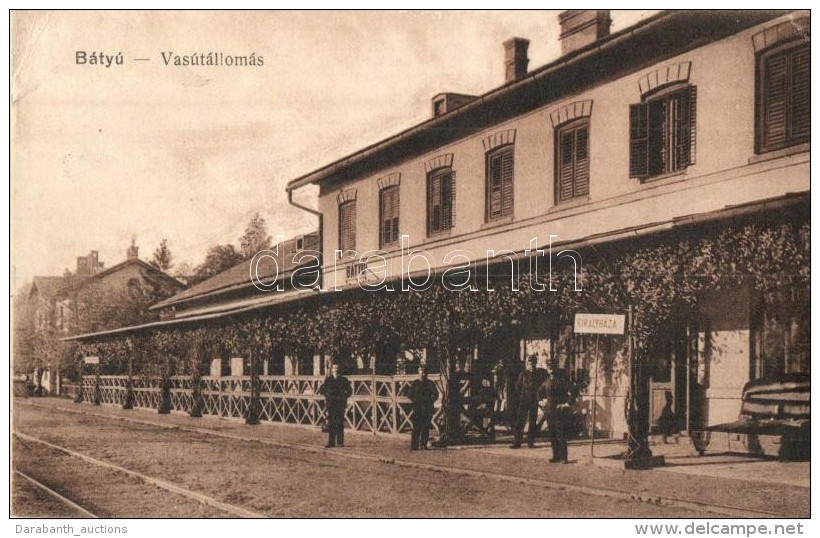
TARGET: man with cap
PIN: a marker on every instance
(560, 395)
(528, 387)
(423, 394)
(336, 390)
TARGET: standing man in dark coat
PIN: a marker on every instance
(423, 394)
(336, 390)
(559, 394)
(528, 388)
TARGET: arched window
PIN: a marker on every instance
(662, 126)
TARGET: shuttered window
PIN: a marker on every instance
(347, 226)
(389, 211)
(441, 193)
(662, 132)
(572, 161)
(784, 107)
(500, 183)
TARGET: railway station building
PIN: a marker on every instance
(660, 173)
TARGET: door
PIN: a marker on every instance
(667, 387)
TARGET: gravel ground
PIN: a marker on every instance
(103, 492)
(280, 481)
(27, 500)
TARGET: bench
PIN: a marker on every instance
(780, 407)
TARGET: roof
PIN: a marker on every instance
(151, 273)
(266, 301)
(661, 36)
(48, 286)
(782, 206)
(240, 277)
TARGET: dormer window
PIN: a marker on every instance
(439, 107)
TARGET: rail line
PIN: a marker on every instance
(647, 498)
(61, 498)
(168, 486)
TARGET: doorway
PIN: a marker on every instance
(669, 355)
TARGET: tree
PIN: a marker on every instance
(36, 340)
(24, 337)
(183, 271)
(163, 259)
(218, 259)
(256, 237)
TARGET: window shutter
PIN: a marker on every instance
(581, 161)
(394, 197)
(347, 226)
(775, 94)
(682, 114)
(446, 201)
(507, 183)
(800, 86)
(494, 187)
(572, 167)
(451, 200)
(382, 217)
(434, 215)
(638, 141)
(565, 170)
(390, 215)
(693, 127)
(441, 201)
(350, 225)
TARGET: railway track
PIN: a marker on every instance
(236, 511)
(61, 498)
(648, 498)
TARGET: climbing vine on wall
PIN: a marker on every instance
(659, 281)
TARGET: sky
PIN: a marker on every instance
(144, 149)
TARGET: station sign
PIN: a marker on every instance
(599, 323)
(91, 360)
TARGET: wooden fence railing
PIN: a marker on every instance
(69, 389)
(378, 404)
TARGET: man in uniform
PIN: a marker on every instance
(528, 388)
(559, 394)
(423, 394)
(336, 390)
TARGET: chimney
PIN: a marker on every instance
(133, 251)
(88, 265)
(93, 262)
(82, 266)
(580, 27)
(515, 58)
